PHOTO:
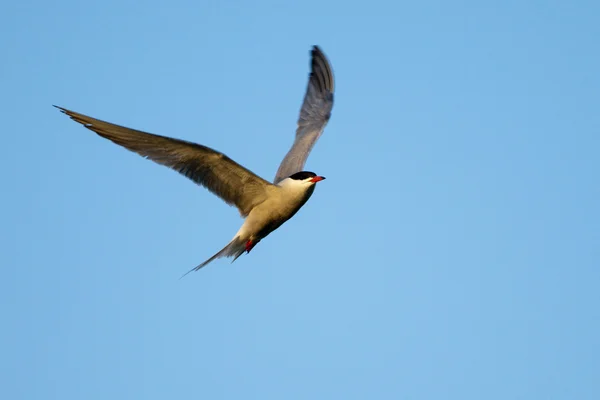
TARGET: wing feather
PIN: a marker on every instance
(215, 171)
(314, 115)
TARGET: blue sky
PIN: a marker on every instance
(452, 253)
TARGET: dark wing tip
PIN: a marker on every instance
(320, 71)
(67, 112)
(80, 118)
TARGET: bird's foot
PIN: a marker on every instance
(250, 245)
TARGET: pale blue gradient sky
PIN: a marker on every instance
(452, 253)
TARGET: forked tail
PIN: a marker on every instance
(235, 248)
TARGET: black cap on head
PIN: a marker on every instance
(302, 175)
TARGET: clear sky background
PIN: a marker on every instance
(452, 253)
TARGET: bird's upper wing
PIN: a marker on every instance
(314, 114)
(215, 171)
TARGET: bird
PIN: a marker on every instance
(265, 206)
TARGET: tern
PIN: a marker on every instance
(265, 206)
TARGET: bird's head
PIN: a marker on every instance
(303, 181)
(306, 177)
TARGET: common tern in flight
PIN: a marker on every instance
(265, 206)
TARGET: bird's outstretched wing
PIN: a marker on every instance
(314, 114)
(215, 171)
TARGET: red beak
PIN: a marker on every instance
(317, 179)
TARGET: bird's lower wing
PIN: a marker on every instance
(215, 171)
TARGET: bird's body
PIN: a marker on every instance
(265, 205)
(282, 203)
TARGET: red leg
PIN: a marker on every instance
(250, 245)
